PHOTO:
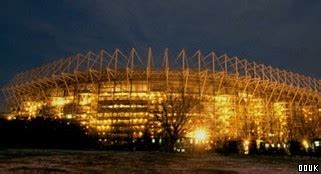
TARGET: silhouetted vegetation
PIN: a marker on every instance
(292, 148)
(174, 116)
(44, 133)
(62, 134)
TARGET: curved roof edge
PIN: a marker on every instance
(116, 60)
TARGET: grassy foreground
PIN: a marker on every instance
(68, 161)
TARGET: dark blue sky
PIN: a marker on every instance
(284, 34)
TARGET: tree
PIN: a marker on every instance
(173, 115)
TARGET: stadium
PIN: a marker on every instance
(116, 95)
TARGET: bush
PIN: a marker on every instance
(228, 147)
(44, 133)
(296, 148)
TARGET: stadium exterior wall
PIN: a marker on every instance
(115, 96)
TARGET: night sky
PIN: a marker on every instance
(285, 34)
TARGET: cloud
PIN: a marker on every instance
(279, 33)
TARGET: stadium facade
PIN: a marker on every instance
(115, 95)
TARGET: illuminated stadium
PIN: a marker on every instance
(115, 95)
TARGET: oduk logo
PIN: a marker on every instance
(308, 168)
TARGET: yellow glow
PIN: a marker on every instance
(225, 111)
(280, 113)
(69, 116)
(86, 99)
(305, 144)
(58, 101)
(9, 118)
(200, 135)
(246, 144)
(31, 108)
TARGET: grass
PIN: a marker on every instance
(68, 161)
